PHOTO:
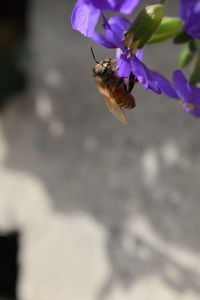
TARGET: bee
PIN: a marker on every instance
(115, 90)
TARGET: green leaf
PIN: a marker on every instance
(167, 29)
(186, 56)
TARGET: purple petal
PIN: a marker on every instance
(114, 29)
(184, 8)
(123, 6)
(181, 85)
(195, 100)
(194, 111)
(127, 6)
(190, 13)
(100, 39)
(119, 25)
(84, 17)
(139, 53)
(111, 35)
(144, 75)
(164, 85)
(188, 93)
(124, 65)
(195, 95)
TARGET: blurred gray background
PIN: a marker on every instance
(105, 211)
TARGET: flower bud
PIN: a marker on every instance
(145, 24)
(168, 28)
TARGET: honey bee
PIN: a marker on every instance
(115, 90)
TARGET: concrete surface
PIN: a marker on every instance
(106, 211)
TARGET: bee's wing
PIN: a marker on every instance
(114, 108)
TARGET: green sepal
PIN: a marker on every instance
(195, 76)
(186, 56)
(192, 45)
(181, 38)
(145, 24)
(167, 29)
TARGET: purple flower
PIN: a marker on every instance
(126, 60)
(86, 12)
(190, 95)
(190, 14)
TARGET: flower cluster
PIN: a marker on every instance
(129, 39)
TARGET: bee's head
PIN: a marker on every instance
(102, 68)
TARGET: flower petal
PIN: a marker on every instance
(194, 111)
(114, 29)
(181, 85)
(184, 8)
(100, 39)
(139, 53)
(164, 85)
(195, 95)
(119, 25)
(124, 65)
(84, 17)
(111, 35)
(144, 75)
(123, 6)
(190, 13)
(189, 94)
(127, 6)
(195, 100)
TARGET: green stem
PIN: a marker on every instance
(195, 77)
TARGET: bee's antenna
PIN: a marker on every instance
(94, 55)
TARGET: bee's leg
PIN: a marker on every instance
(131, 83)
(116, 68)
(113, 61)
(125, 88)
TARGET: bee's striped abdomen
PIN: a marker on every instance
(127, 102)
